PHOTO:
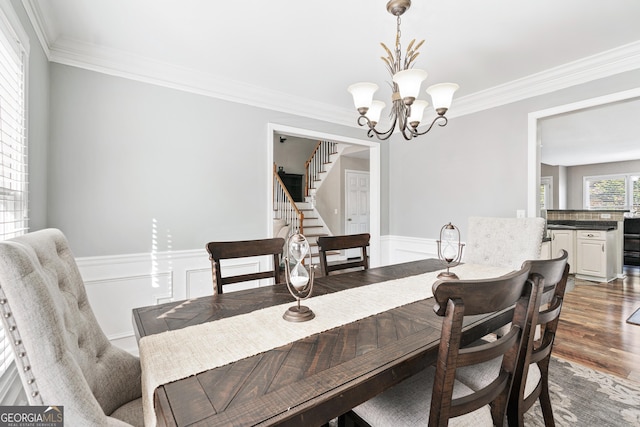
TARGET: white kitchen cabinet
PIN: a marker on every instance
(564, 239)
(595, 255)
(545, 250)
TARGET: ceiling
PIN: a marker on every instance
(298, 56)
(607, 133)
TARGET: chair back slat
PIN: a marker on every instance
(555, 273)
(334, 243)
(243, 249)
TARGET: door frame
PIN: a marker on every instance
(375, 255)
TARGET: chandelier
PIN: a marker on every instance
(406, 110)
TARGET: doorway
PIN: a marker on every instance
(375, 255)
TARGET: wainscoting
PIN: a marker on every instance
(117, 284)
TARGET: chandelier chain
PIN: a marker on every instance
(398, 35)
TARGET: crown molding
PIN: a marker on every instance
(605, 64)
(36, 17)
(147, 70)
(119, 63)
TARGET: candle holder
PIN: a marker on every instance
(299, 280)
(449, 250)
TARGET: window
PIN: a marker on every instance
(13, 144)
(546, 192)
(612, 192)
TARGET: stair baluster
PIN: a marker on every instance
(284, 206)
(315, 164)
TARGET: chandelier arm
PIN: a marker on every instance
(401, 112)
(372, 130)
(444, 123)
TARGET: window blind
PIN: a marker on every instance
(13, 154)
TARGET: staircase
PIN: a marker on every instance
(314, 227)
(303, 215)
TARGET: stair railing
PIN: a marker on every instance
(284, 206)
(316, 163)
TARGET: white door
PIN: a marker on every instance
(356, 204)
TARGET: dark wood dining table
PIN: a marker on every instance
(312, 380)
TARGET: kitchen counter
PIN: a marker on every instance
(581, 225)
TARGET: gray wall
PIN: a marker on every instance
(37, 123)
(575, 175)
(477, 165)
(118, 164)
(293, 153)
(132, 164)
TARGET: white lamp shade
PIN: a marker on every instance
(375, 110)
(417, 111)
(409, 82)
(362, 94)
(442, 94)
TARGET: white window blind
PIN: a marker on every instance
(13, 153)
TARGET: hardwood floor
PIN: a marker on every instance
(593, 330)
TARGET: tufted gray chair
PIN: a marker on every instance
(62, 355)
(503, 242)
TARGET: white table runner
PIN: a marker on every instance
(174, 355)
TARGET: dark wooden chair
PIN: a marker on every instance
(434, 395)
(532, 374)
(242, 249)
(336, 243)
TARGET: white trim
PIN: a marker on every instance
(116, 284)
(14, 26)
(95, 261)
(605, 64)
(403, 249)
(375, 256)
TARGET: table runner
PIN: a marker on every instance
(174, 355)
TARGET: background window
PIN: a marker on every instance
(546, 192)
(612, 192)
(13, 150)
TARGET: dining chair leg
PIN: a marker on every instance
(545, 400)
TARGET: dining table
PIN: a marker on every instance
(315, 378)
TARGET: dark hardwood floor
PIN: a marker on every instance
(593, 330)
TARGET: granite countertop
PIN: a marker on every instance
(581, 225)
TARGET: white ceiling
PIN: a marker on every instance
(608, 133)
(300, 56)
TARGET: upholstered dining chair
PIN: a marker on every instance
(243, 249)
(62, 355)
(434, 396)
(503, 242)
(532, 374)
(327, 244)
